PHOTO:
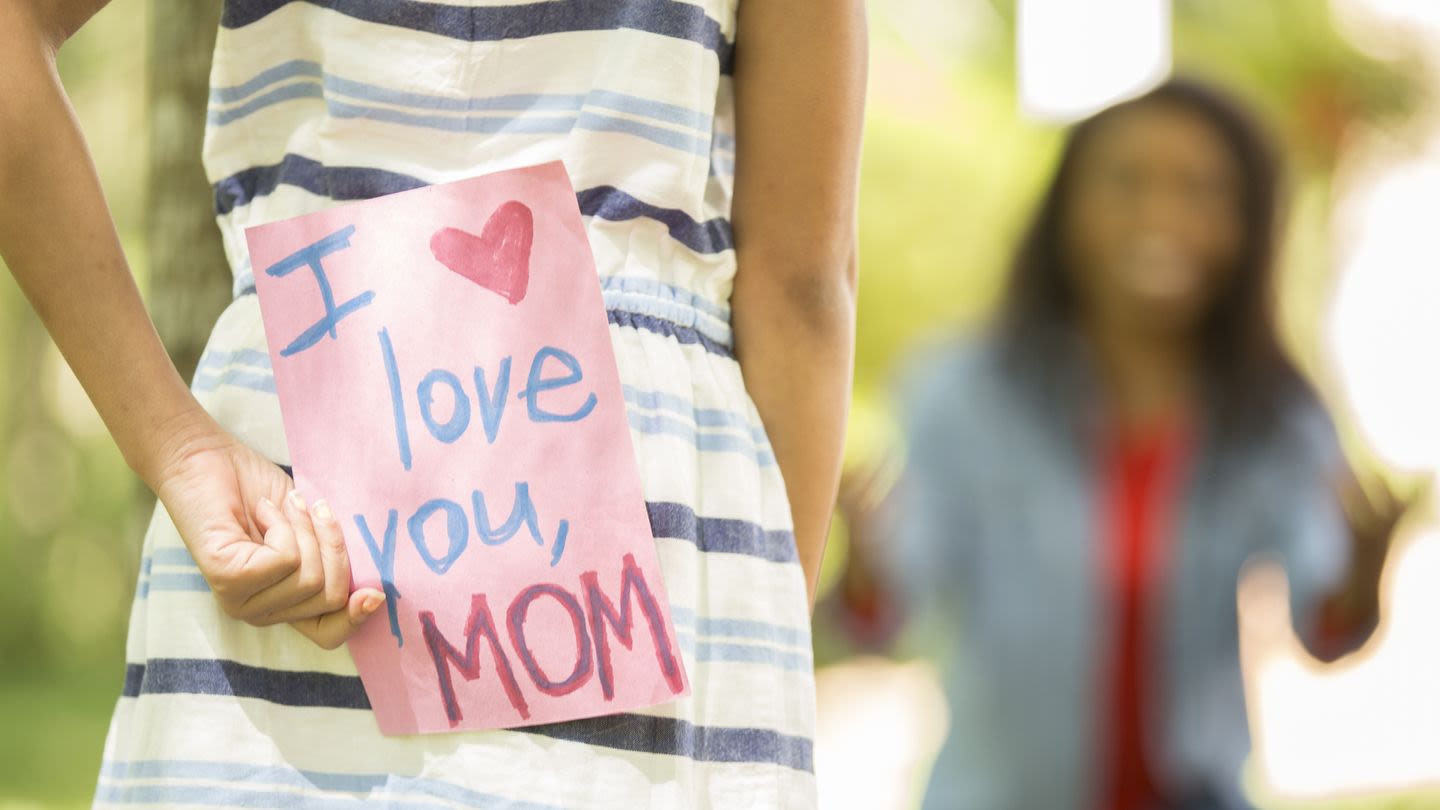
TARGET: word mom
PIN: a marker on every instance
(593, 619)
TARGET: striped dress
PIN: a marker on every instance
(322, 101)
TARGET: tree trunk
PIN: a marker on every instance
(189, 280)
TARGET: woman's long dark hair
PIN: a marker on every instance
(1248, 375)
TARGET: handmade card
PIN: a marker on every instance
(447, 382)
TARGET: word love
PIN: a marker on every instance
(591, 618)
(490, 402)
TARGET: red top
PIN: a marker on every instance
(1140, 501)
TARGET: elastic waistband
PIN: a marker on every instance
(644, 304)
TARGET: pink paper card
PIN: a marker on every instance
(447, 382)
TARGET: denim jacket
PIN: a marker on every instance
(998, 553)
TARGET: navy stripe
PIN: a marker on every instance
(493, 23)
(679, 521)
(660, 326)
(335, 182)
(363, 183)
(664, 735)
(203, 676)
(627, 732)
(610, 203)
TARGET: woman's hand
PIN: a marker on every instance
(268, 558)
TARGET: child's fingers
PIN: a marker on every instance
(335, 592)
(310, 579)
(333, 629)
(276, 532)
(332, 550)
(279, 602)
(242, 569)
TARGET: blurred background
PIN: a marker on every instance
(968, 100)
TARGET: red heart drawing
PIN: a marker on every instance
(499, 258)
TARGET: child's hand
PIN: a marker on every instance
(267, 557)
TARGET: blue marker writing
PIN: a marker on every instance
(310, 256)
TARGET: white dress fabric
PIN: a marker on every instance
(316, 102)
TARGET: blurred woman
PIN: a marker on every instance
(1085, 484)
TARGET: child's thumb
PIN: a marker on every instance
(333, 629)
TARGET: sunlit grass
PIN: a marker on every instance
(54, 729)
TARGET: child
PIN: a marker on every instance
(718, 183)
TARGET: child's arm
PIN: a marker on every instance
(265, 565)
(799, 93)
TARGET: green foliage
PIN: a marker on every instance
(55, 727)
(70, 511)
(936, 224)
(1287, 57)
